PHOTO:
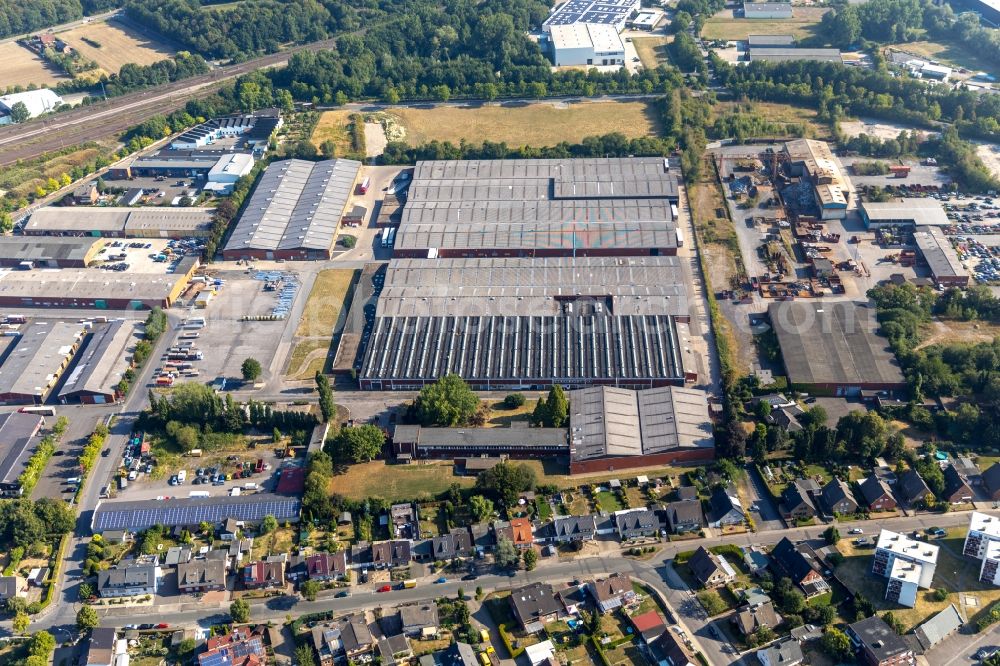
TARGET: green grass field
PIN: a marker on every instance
(396, 482)
(802, 24)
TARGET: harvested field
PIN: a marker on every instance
(22, 67)
(652, 51)
(802, 24)
(332, 126)
(118, 45)
(543, 124)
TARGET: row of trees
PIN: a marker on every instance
(18, 17)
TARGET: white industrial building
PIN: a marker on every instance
(229, 169)
(605, 12)
(983, 543)
(767, 10)
(907, 563)
(586, 44)
(37, 102)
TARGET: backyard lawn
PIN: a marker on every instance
(608, 501)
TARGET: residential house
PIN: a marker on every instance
(684, 516)
(230, 529)
(786, 417)
(573, 598)
(776, 400)
(404, 518)
(709, 569)
(991, 482)
(788, 561)
(482, 537)
(395, 649)
(86, 194)
(797, 499)
(636, 524)
(459, 654)
(838, 499)
(876, 494)
(326, 566)
(522, 531)
(957, 488)
(609, 593)
(726, 508)
(131, 581)
(686, 494)
(674, 651)
(878, 644)
(361, 555)
(503, 530)
(540, 654)
(534, 606)
(12, 586)
(419, 619)
(238, 549)
(969, 469)
(782, 653)
(462, 539)
(242, 647)
(101, 648)
(574, 528)
(264, 575)
(912, 489)
(649, 625)
(386, 554)
(176, 555)
(348, 638)
(750, 618)
(201, 575)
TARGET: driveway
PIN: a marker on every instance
(765, 514)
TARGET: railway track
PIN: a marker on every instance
(108, 118)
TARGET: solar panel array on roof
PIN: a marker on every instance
(605, 12)
(141, 515)
(632, 350)
(234, 653)
(296, 205)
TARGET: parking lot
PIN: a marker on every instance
(65, 461)
(171, 188)
(232, 340)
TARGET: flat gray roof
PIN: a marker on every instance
(542, 204)
(39, 357)
(919, 211)
(521, 286)
(40, 248)
(938, 252)
(781, 54)
(482, 437)
(770, 40)
(85, 219)
(296, 205)
(101, 364)
(832, 343)
(609, 422)
(17, 431)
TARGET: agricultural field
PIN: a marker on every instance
(652, 51)
(543, 124)
(22, 67)
(802, 24)
(118, 45)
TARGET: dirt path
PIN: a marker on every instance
(375, 140)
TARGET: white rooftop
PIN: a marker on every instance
(906, 547)
(603, 38)
(37, 102)
(985, 523)
(908, 572)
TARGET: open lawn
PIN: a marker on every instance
(955, 574)
(542, 124)
(652, 51)
(118, 45)
(314, 335)
(501, 416)
(802, 24)
(607, 501)
(377, 479)
(22, 67)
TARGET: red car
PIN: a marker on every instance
(162, 625)
(385, 588)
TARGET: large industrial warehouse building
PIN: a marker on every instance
(120, 222)
(613, 428)
(539, 208)
(18, 443)
(51, 252)
(833, 348)
(294, 211)
(101, 365)
(530, 323)
(942, 259)
(42, 352)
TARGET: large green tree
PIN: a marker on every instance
(447, 402)
(506, 481)
(360, 444)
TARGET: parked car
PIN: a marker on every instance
(385, 588)
(440, 580)
(855, 530)
(936, 532)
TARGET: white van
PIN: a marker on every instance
(182, 475)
